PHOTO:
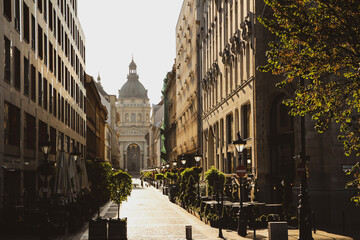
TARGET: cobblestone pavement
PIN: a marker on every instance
(151, 216)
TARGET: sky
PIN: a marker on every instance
(116, 30)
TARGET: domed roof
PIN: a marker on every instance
(133, 87)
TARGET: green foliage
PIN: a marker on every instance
(213, 177)
(99, 176)
(319, 41)
(120, 187)
(355, 183)
(159, 176)
(190, 195)
(187, 193)
(171, 176)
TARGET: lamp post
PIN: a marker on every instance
(198, 158)
(183, 160)
(242, 228)
(174, 163)
(44, 170)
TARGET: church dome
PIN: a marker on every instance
(133, 88)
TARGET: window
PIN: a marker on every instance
(33, 83)
(40, 5)
(50, 98)
(29, 131)
(53, 140)
(45, 10)
(7, 9)
(59, 69)
(26, 23)
(45, 93)
(17, 15)
(40, 42)
(54, 62)
(62, 109)
(40, 89)
(11, 125)
(229, 123)
(26, 76)
(51, 57)
(133, 117)
(59, 31)
(17, 68)
(246, 120)
(127, 117)
(33, 32)
(51, 20)
(139, 117)
(60, 141)
(45, 50)
(54, 98)
(7, 63)
(42, 130)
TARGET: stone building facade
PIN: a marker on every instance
(134, 120)
(169, 96)
(96, 116)
(187, 81)
(42, 89)
(155, 135)
(238, 98)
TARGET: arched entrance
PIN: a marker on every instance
(133, 158)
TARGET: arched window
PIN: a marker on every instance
(139, 117)
(133, 117)
(127, 117)
(147, 117)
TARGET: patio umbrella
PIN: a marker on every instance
(61, 180)
(84, 181)
(73, 179)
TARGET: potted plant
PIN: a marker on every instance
(120, 189)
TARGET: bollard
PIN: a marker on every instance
(188, 230)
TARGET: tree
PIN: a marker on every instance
(318, 41)
(120, 187)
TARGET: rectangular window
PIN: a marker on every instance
(45, 10)
(59, 106)
(66, 79)
(33, 83)
(59, 69)
(40, 5)
(7, 9)
(33, 32)
(45, 93)
(42, 130)
(62, 109)
(55, 62)
(11, 124)
(66, 45)
(54, 98)
(59, 31)
(66, 109)
(26, 76)
(29, 131)
(60, 141)
(26, 23)
(45, 50)
(7, 62)
(40, 42)
(53, 140)
(246, 120)
(17, 15)
(54, 22)
(17, 68)
(40, 92)
(51, 57)
(51, 20)
(50, 98)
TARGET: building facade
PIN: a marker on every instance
(42, 90)
(169, 96)
(236, 98)
(188, 120)
(155, 135)
(134, 120)
(96, 116)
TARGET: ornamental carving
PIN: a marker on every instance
(218, 5)
(237, 45)
(246, 27)
(226, 56)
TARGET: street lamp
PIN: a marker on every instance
(167, 165)
(242, 228)
(174, 163)
(45, 170)
(198, 158)
(183, 160)
(75, 154)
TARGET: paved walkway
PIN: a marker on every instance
(152, 216)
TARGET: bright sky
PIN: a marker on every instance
(117, 29)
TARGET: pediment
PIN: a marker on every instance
(132, 132)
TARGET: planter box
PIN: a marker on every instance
(117, 229)
(98, 229)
